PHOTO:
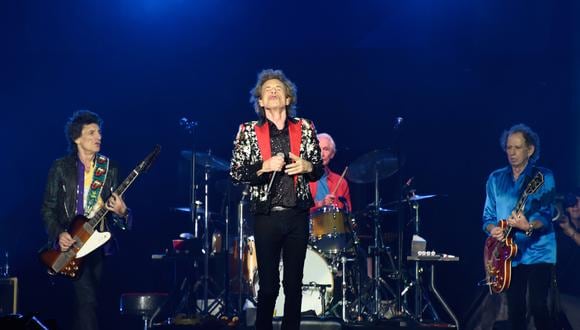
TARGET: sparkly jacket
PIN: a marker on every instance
(252, 147)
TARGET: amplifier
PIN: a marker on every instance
(8, 295)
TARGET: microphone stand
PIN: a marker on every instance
(226, 260)
(189, 126)
(400, 219)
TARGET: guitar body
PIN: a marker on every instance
(69, 262)
(497, 260)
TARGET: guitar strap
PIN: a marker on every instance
(99, 177)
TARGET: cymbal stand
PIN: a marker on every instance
(418, 288)
(398, 152)
(226, 263)
(378, 249)
(206, 248)
(241, 207)
(189, 126)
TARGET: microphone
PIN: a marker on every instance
(398, 122)
(187, 124)
(407, 191)
(280, 154)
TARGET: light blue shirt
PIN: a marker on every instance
(503, 194)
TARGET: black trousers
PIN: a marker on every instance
(283, 232)
(534, 279)
(86, 292)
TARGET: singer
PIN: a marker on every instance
(278, 155)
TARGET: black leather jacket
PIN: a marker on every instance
(60, 194)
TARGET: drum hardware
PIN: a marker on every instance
(205, 277)
(343, 261)
(242, 245)
(208, 162)
(317, 287)
(321, 289)
(412, 198)
(420, 294)
(372, 167)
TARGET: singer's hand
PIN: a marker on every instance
(274, 164)
(299, 165)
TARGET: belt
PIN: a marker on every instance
(279, 208)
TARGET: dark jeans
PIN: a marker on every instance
(286, 232)
(536, 280)
(86, 292)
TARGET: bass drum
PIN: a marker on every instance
(317, 273)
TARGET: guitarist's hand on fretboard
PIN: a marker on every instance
(519, 221)
(116, 204)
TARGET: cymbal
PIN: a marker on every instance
(370, 211)
(207, 160)
(199, 211)
(413, 198)
(383, 162)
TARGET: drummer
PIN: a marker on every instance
(330, 189)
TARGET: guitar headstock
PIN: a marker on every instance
(535, 184)
(146, 163)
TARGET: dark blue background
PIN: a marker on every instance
(459, 72)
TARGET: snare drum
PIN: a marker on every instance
(317, 273)
(330, 230)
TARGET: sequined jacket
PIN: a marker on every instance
(252, 147)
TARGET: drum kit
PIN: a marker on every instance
(347, 275)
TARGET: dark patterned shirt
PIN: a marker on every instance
(282, 191)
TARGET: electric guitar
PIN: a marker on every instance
(83, 231)
(497, 255)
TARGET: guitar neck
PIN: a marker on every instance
(519, 208)
(102, 212)
(143, 166)
(531, 188)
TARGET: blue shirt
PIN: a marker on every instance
(503, 194)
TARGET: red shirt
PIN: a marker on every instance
(342, 190)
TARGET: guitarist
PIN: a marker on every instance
(78, 184)
(532, 230)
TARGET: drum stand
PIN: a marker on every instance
(204, 281)
(188, 286)
(242, 235)
(376, 251)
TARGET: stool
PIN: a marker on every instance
(146, 305)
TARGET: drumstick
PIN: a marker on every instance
(339, 180)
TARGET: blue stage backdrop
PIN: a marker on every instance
(458, 72)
